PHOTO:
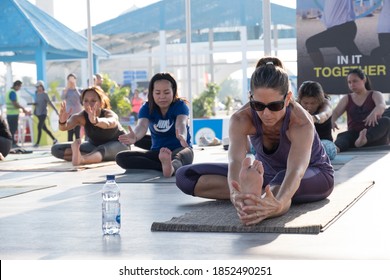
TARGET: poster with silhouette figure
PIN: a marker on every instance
(334, 36)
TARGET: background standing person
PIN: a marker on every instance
(98, 80)
(13, 107)
(166, 116)
(102, 129)
(136, 103)
(313, 99)
(72, 96)
(5, 138)
(290, 163)
(364, 107)
(41, 101)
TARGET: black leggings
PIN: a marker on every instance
(315, 184)
(340, 36)
(376, 135)
(75, 131)
(42, 126)
(13, 125)
(149, 159)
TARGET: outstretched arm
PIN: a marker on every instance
(376, 113)
(136, 134)
(181, 129)
(339, 110)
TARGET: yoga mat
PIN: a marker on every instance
(12, 190)
(11, 157)
(369, 149)
(340, 160)
(48, 164)
(306, 218)
(137, 176)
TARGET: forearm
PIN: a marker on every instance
(289, 187)
(106, 123)
(181, 130)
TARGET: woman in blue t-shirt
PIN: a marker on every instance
(166, 116)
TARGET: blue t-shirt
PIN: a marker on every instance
(163, 129)
(13, 96)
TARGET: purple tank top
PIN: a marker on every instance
(277, 160)
(356, 114)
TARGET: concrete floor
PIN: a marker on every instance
(64, 222)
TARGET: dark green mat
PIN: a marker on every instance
(307, 218)
(12, 190)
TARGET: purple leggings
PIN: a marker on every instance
(315, 184)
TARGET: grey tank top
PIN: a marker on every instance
(276, 161)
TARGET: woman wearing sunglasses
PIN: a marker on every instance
(101, 126)
(290, 163)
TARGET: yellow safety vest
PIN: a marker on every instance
(11, 110)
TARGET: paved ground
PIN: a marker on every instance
(64, 222)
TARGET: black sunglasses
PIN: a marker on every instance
(272, 106)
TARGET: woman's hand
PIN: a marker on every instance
(372, 118)
(64, 115)
(263, 207)
(92, 113)
(181, 138)
(266, 206)
(129, 138)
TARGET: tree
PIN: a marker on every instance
(203, 106)
(119, 101)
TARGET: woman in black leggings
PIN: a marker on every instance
(166, 116)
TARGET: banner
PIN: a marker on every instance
(335, 36)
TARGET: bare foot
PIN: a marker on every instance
(251, 178)
(165, 157)
(362, 139)
(76, 154)
(1, 156)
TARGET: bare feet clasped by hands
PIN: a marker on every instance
(252, 205)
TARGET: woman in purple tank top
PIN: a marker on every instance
(364, 107)
(290, 163)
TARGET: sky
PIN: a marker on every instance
(73, 14)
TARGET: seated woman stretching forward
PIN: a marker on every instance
(291, 165)
(166, 116)
(101, 127)
(364, 107)
(313, 99)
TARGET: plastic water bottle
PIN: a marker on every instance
(111, 208)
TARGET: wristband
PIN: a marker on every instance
(62, 123)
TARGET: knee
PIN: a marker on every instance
(56, 152)
(184, 182)
(120, 159)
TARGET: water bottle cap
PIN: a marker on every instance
(110, 177)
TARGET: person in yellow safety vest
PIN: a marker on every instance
(13, 108)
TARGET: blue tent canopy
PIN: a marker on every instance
(28, 34)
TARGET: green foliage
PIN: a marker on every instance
(229, 104)
(119, 101)
(230, 87)
(203, 106)
(52, 91)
